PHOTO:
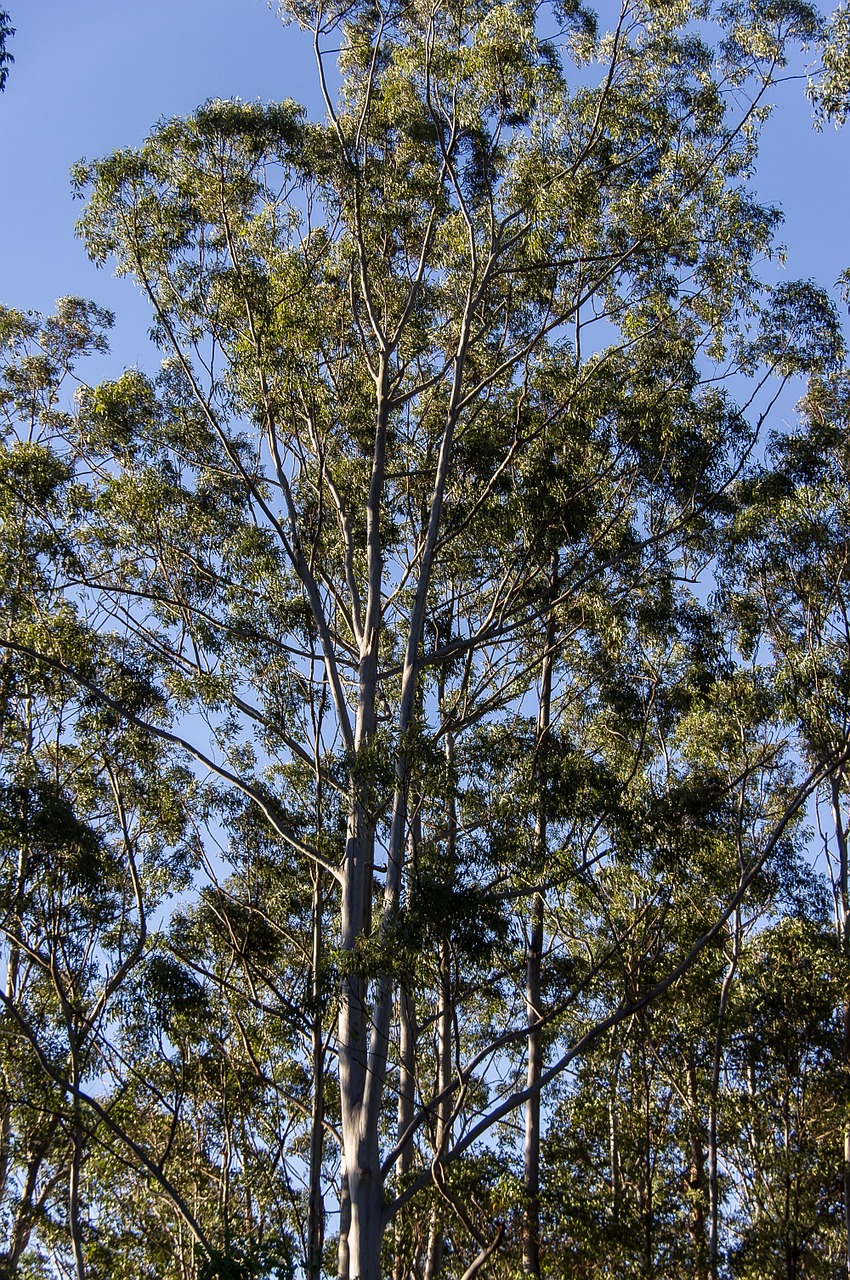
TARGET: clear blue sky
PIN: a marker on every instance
(93, 76)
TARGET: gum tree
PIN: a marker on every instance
(441, 420)
(92, 810)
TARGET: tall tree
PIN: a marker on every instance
(396, 530)
(791, 545)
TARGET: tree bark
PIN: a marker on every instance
(442, 1132)
(843, 928)
(360, 1244)
(406, 1109)
(614, 1140)
(407, 1068)
(316, 1203)
(531, 1154)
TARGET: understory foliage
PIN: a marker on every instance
(424, 699)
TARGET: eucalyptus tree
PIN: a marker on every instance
(788, 557)
(440, 420)
(626, 1155)
(94, 821)
(787, 1092)
(641, 1129)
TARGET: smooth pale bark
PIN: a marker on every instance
(74, 1173)
(360, 1245)
(406, 1109)
(74, 1205)
(407, 1032)
(843, 929)
(442, 1130)
(343, 1259)
(407, 1079)
(614, 1140)
(531, 1152)
(316, 1203)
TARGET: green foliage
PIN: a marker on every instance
(239, 1264)
(417, 676)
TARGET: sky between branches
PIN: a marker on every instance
(92, 77)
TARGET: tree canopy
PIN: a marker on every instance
(423, 695)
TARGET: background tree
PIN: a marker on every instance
(6, 32)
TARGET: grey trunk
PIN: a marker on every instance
(843, 928)
(316, 1204)
(359, 1246)
(534, 961)
(714, 1096)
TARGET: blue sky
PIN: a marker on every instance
(94, 76)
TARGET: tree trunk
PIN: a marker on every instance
(407, 1067)
(344, 1223)
(614, 1140)
(316, 1203)
(531, 1216)
(360, 1244)
(696, 1178)
(442, 1133)
(531, 1154)
(406, 1104)
(843, 929)
(714, 1095)
(360, 1237)
(74, 1226)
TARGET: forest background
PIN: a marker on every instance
(513, 936)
